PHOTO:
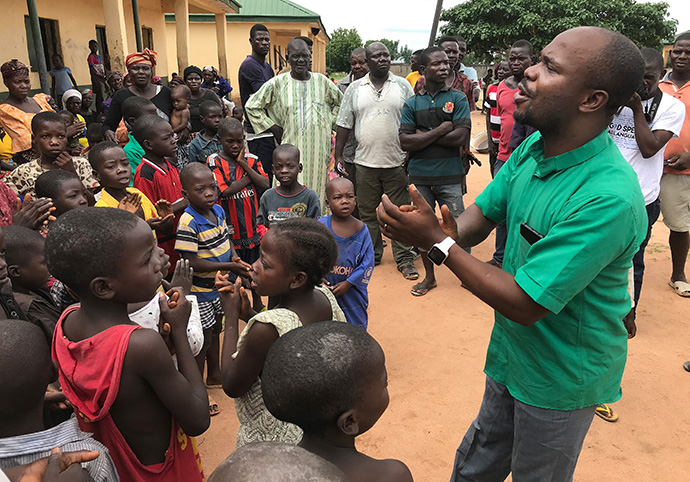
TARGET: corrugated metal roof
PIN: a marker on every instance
(277, 8)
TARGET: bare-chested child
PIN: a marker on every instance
(330, 380)
(120, 377)
(180, 115)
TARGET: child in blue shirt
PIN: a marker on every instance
(349, 278)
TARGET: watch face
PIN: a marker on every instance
(436, 256)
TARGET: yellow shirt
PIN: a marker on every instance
(412, 78)
(108, 201)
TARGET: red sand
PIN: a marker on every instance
(435, 349)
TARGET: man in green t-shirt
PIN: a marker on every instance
(575, 217)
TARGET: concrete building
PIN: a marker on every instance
(284, 19)
(66, 26)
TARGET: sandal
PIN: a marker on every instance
(686, 365)
(681, 288)
(213, 407)
(605, 412)
(409, 272)
(417, 289)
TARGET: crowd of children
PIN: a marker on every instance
(125, 265)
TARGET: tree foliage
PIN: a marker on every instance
(343, 42)
(491, 26)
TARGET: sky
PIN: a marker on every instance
(410, 20)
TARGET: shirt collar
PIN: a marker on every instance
(423, 91)
(201, 220)
(367, 79)
(203, 140)
(157, 167)
(548, 165)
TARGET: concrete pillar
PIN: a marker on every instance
(222, 39)
(116, 33)
(182, 31)
(38, 46)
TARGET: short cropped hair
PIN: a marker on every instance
(229, 124)
(315, 373)
(184, 90)
(358, 51)
(306, 245)
(207, 105)
(288, 149)
(97, 150)
(45, 117)
(191, 170)
(446, 38)
(146, 127)
(26, 368)
(132, 106)
(22, 244)
(307, 40)
(49, 184)
(427, 53)
(460, 39)
(257, 27)
(86, 243)
(653, 57)
(418, 52)
(523, 44)
(683, 36)
(623, 73)
(275, 462)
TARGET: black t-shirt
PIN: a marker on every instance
(161, 100)
(194, 116)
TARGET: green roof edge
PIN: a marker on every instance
(232, 4)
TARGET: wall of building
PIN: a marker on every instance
(77, 21)
(204, 47)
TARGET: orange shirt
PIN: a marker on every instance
(17, 123)
(682, 143)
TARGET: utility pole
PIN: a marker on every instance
(434, 26)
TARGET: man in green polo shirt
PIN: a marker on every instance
(434, 124)
(576, 217)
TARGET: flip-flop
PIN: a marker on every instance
(409, 272)
(421, 292)
(604, 412)
(215, 385)
(213, 408)
(681, 288)
(686, 365)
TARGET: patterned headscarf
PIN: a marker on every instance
(147, 57)
(12, 69)
(113, 74)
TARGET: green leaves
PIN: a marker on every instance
(491, 26)
(343, 42)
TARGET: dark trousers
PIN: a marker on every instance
(351, 169)
(372, 184)
(263, 149)
(653, 211)
(501, 229)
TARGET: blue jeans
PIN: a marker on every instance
(535, 444)
(653, 211)
(501, 229)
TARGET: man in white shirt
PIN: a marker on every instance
(641, 130)
(370, 110)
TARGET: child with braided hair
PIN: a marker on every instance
(295, 256)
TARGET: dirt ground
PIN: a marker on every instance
(435, 350)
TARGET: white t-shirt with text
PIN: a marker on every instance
(669, 117)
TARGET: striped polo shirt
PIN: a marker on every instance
(435, 164)
(494, 119)
(209, 241)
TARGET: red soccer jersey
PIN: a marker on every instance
(161, 182)
(242, 207)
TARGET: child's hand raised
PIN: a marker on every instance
(240, 268)
(234, 297)
(64, 161)
(130, 203)
(182, 277)
(175, 310)
(33, 214)
(164, 208)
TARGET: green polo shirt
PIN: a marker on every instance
(435, 164)
(588, 207)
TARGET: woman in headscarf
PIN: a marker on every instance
(140, 70)
(18, 109)
(193, 78)
(215, 82)
(114, 82)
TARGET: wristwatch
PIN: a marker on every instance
(439, 251)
